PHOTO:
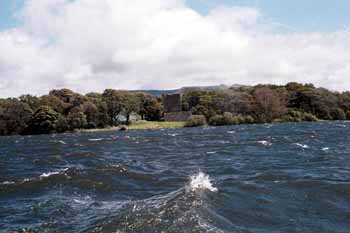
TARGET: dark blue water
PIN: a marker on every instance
(251, 178)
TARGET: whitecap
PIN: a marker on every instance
(7, 182)
(173, 134)
(79, 201)
(201, 181)
(304, 146)
(211, 152)
(95, 139)
(325, 148)
(231, 132)
(265, 143)
(44, 175)
(82, 200)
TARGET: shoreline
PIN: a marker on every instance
(142, 125)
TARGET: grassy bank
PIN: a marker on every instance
(142, 125)
(155, 125)
(100, 129)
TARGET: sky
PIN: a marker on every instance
(298, 15)
(90, 45)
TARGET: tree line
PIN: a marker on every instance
(64, 110)
(293, 102)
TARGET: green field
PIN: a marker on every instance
(155, 125)
(139, 125)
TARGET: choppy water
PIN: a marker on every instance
(253, 178)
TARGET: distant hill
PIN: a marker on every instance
(203, 88)
(157, 92)
(184, 89)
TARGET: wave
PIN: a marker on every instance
(44, 175)
(265, 143)
(303, 146)
(187, 209)
(201, 181)
(95, 139)
(97, 179)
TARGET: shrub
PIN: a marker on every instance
(216, 120)
(309, 117)
(338, 114)
(249, 119)
(229, 119)
(196, 120)
(239, 119)
(297, 116)
(226, 119)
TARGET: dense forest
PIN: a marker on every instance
(64, 110)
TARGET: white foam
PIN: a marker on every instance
(7, 182)
(304, 146)
(265, 143)
(325, 148)
(172, 134)
(44, 175)
(201, 181)
(95, 139)
(211, 152)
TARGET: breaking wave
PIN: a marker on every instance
(184, 210)
(201, 181)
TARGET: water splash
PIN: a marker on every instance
(265, 143)
(201, 181)
(304, 146)
(45, 175)
(95, 139)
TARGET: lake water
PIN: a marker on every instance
(248, 178)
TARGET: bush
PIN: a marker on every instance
(239, 119)
(229, 119)
(249, 119)
(216, 120)
(226, 119)
(297, 116)
(309, 117)
(338, 114)
(196, 120)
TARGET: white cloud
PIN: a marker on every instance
(90, 45)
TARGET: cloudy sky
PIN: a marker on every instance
(90, 45)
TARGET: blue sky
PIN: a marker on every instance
(301, 15)
(8, 9)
